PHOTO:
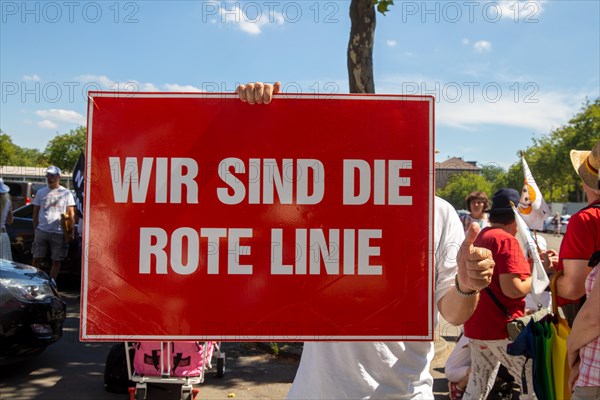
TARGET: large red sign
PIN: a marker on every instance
(306, 219)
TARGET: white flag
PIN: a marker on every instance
(539, 278)
(532, 206)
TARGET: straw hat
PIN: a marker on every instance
(586, 164)
(3, 187)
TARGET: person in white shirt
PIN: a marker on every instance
(51, 205)
(398, 370)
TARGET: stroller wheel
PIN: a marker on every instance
(186, 394)
(220, 367)
(140, 394)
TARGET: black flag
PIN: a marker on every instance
(78, 180)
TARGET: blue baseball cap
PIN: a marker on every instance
(502, 199)
(53, 170)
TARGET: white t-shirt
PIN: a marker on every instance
(382, 370)
(52, 203)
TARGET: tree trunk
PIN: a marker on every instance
(360, 46)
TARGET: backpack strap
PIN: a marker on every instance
(497, 302)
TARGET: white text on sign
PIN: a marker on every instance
(259, 181)
(160, 250)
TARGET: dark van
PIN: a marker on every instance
(22, 193)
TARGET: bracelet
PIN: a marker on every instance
(460, 292)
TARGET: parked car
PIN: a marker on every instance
(22, 193)
(21, 237)
(32, 312)
(550, 227)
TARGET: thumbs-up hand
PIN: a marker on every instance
(475, 264)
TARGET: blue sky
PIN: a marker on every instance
(502, 72)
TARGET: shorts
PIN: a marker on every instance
(59, 248)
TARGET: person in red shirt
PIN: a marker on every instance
(511, 282)
(582, 237)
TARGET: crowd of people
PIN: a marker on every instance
(483, 349)
(481, 288)
(401, 370)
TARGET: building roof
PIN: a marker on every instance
(13, 170)
(456, 163)
(29, 174)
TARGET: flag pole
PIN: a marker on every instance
(535, 240)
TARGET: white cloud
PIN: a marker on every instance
(34, 77)
(144, 87)
(465, 41)
(103, 82)
(58, 115)
(482, 45)
(391, 43)
(250, 19)
(47, 124)
(173, 87)
(540, 112)
(470, 105)
(516, 10)
(476, 70)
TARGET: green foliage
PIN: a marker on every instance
(549, 159)
(383, 5)
(515, 177)
(63, 151)
(11, 154)
(496, 176)
(461, 185)
(29, 158)
(7, 149)
(274, 348)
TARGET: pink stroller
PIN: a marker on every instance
(171, 362)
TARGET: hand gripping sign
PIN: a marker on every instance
(306, 219)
